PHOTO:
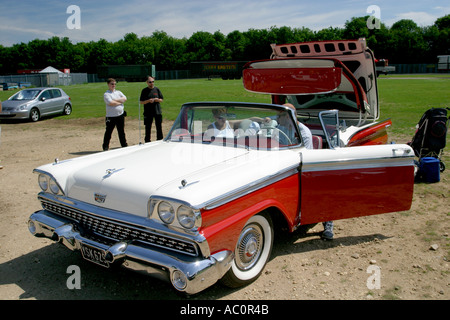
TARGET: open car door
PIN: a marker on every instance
(339, 183)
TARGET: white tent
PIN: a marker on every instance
(56, 77)
(50, 69)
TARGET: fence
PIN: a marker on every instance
(173, 74)
(415, 68)
(44, 79)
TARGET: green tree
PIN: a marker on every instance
(257, 44)
(442, 40)
(329, 34)
(303, 34)
(408, 43)
(204, 46)
(100, 53)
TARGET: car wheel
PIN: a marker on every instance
(34, 115)
(67, 109)
(252, 251)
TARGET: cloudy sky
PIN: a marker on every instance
(83, 21)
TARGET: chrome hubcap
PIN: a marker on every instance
(249, 247)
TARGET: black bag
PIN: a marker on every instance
(431, 133)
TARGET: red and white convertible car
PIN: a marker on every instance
(204, 203)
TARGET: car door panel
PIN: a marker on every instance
(45, 102)
(357, 181)
(57, 101)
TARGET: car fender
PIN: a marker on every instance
(223, 224)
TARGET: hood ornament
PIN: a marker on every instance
(185, 183)
(109, 172)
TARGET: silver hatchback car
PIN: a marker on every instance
(35, 103)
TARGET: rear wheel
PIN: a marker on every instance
(67, 109)
(252, 251)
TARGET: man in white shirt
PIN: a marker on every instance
(115, 114)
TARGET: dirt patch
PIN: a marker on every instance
(391, 256)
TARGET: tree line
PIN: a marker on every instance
(403, 42)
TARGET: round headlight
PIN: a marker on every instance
(43, 182)
(186, 217)
(53, 186)
(166, 212)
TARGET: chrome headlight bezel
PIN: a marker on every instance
(48, 183)
(187, 216)
(53, 186)
(43, 181)
(165, 210)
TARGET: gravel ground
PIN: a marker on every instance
(400, 255)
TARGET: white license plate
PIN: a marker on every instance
(94, 255)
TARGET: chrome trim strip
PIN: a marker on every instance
(347, 164)
(249, 188)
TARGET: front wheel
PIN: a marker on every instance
(35, 115)
(252, 251)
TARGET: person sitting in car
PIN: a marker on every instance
(221, 127)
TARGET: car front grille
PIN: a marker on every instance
(119, 231)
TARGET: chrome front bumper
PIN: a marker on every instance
(187, 274)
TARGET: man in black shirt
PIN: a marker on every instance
(151, 97)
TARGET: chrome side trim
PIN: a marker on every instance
(249, 188)
(347, 164)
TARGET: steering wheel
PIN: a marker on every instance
(270, 129)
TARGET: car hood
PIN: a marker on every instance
(11, 104)
(126, 178)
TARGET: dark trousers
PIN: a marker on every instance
(148, 121)
(111, 123)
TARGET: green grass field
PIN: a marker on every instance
(402, 98)
(405, 99)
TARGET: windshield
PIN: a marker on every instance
(238, 125)
(25, 95)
